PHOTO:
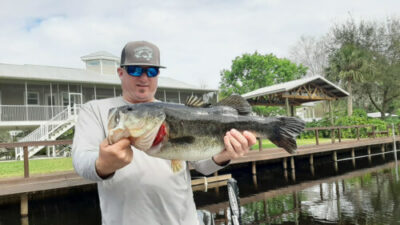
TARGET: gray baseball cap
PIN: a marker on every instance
(140, 53)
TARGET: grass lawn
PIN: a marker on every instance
(267, 144)
(36, 166)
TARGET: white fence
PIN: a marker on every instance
(29, 112)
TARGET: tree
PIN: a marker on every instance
(253, 71)
(349, 63)
(311, 52)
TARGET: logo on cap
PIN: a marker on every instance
(144, 52)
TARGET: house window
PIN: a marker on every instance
(33, 98)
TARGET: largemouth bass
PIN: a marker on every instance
(195, 131)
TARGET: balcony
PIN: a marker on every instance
(27, 115)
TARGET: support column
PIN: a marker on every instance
(383, 151)
(331, 112)
(285, 172)
(369, 154)
(287, 107)
(253, 168)
(353, 156)
(24, 205)
(95, 93)
(292, 110)
(51, 99)
(165, 96)
(312, 165)
(292, 165)
(179, 97)
(335, 161)
(26, 101)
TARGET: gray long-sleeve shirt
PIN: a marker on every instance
(146, 191)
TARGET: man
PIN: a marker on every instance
(135, 188)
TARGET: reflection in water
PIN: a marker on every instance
(369, 196)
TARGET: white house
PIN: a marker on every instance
(45, 96)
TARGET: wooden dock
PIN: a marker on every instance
(11, 186)
(29, 184)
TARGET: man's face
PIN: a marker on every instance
(137, 89)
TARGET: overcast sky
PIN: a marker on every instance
(197, 38)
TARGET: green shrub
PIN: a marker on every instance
(359, 117)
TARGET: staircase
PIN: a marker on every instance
(49, 131)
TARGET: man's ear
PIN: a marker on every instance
(120, 72)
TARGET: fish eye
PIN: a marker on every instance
(129, 109)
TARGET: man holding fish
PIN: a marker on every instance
(135, 187)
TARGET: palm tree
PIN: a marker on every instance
(348, 64)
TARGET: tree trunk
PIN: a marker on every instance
(349, 100)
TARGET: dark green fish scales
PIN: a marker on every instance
(195, 131)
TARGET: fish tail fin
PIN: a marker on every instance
(176, 165)
(287, 129)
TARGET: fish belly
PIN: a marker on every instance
(200, 148)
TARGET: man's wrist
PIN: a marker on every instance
(220, 161)
(101, 172)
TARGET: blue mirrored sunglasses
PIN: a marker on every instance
(137, 71)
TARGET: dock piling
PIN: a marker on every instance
(369, 154)
(312, 164)
(253, 168)
(334, 157)
(383, 151)
(24, 205)
(353, 157)
(293, 168)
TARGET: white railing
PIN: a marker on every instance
(43, 131)
(29, 112)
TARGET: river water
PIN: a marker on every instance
(367, 194)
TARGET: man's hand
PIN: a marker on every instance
(113, 157)
(236, 145)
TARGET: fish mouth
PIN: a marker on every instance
(141, 127)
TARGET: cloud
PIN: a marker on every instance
(197, 38)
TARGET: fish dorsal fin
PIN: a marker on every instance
(194, 101)
(237, 102)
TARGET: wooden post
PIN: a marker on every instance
(358, 133)
(259, 144)
(285, 163)
(334, 156)
(253, 168)
(255, 181)
(312, 164)
(383, 151)
(287, 107)
(369, 154)
(285, 172)
(316, 137)
(331, 112)
(353, 156)
(292, 110)
(387, 130)
(339, 135)
(24, 205)
(333, 136)
(293, 168)
(26, 162)
(373, 131)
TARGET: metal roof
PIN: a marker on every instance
(100, 55)
(287, 86)
(81, 76)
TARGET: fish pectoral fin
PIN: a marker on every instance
(176, 165)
